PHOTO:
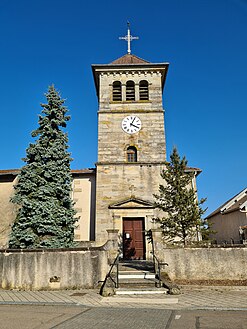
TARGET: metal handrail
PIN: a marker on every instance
(109, 274)
(159, 264)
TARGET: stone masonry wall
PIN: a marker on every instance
(117, 179)
(119, 182)
(53, 269)
(149, 141)
(204, 263)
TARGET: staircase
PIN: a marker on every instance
(138, 277)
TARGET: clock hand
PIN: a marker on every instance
(134, 125)
(133, 121)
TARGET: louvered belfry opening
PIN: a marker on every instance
(130, 91)
(143, 89)
(131, 154)
(117, 91)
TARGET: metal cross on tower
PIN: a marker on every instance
(129, 38)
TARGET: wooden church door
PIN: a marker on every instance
(133, 238)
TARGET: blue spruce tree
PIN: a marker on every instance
(45, 217)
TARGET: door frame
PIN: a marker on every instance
(142, 219)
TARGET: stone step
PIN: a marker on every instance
(131, 271)
(148, 299)
(139, 265)
(133, 284)
(137, 285)
(141, 291)
(136, 276)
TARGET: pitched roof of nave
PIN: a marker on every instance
(129, 59)
(74, 172)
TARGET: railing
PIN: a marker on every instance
(109, 274)
(157, 268)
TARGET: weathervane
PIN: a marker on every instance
(128, 38)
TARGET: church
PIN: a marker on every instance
(117, 195)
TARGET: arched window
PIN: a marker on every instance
(131, 154)
(143, 90)
(130, 91)
(116, 91)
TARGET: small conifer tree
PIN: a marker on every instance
(178, 200)
(45, 216)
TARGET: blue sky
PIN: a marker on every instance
(56, 41)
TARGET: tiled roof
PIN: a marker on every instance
(129, 59)
(10, 172)
(234, 204)
(128, 62)
(83, 171)
(73, 171)
(197, 170)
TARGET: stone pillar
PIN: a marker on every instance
(123, 92)
(157, 240)
(112, 234)
(137, 96)
(112, 244)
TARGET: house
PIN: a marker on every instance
(230, 220)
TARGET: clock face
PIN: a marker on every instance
(131, 124)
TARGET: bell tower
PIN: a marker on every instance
(131, 148)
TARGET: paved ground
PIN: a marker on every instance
(195, 308)
(109, 318)
(215, 298)
(77, 317)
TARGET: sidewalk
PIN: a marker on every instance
(191, 298)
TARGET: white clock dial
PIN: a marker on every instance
(131, 124)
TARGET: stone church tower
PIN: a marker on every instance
(131, 149)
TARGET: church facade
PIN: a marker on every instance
(117, 195)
